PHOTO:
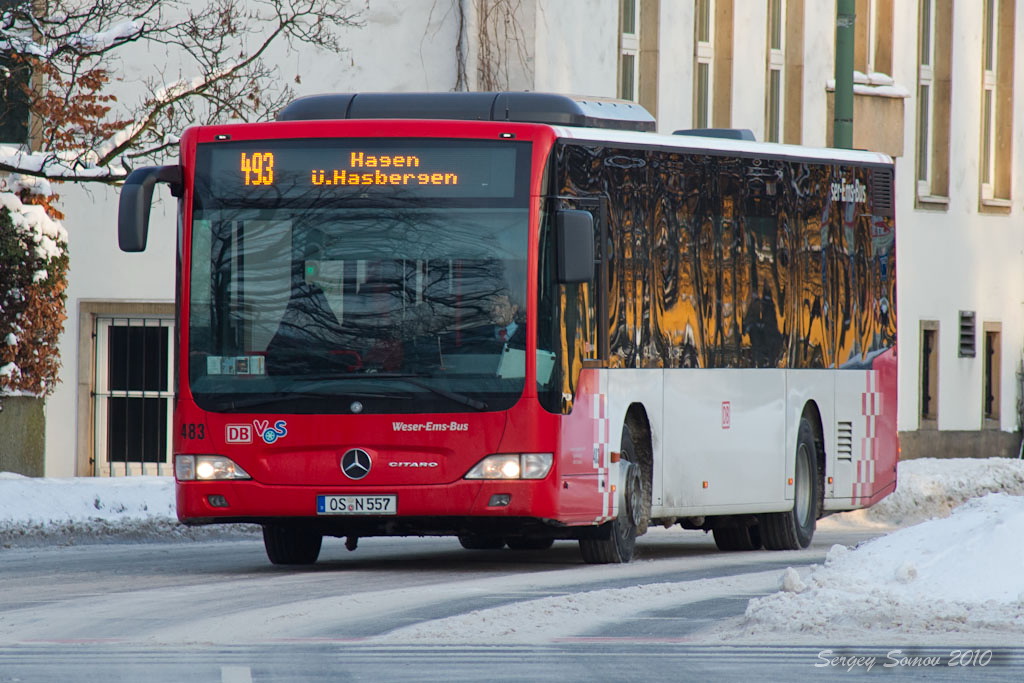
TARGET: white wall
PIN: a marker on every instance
(675, 75)
(577, 47)
(819, 68)
(749, 80)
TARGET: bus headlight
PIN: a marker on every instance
(512, 466)
(207, 468)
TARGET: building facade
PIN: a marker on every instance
(937, 87)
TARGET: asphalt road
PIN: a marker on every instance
(218, 611)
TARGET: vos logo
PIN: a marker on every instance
(270, 434)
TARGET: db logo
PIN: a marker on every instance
(726, 415)
(238, 434)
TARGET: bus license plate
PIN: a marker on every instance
(356, 505)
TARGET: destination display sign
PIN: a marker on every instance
(322, 168)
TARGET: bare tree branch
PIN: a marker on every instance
(64, 55)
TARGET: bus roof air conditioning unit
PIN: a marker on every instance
(519, 107)
(726, 133)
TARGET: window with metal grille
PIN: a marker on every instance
(133, 395)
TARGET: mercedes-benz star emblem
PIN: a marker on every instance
(356, 463)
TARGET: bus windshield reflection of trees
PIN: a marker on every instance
(292, 296)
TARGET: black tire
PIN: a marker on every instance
(744, 537)
(291, 545)
(618, 540)
(519, 543)
(794, 529)
(475, 542)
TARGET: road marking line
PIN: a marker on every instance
(235, 674)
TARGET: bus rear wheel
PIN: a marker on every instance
(618, 540)
(794, 529)
(291, 545)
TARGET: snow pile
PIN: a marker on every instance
(83, 510)
(933, 487)
(957, 575)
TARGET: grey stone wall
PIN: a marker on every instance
(932, 443)
(22, 435)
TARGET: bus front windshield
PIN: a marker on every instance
(363, 299)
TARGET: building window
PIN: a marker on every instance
(934, 71)
(776, 65)
(929, 373)
(988, 96)
(704, 55)
(793, 75)
(996, 101)
(998, 18)
(134, 390)
(638, 52)
(15, 79)
(993, 369)
(712, 63)
(873, 36)
(925, 78)
(629, 48)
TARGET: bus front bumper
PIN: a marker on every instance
(247, 501)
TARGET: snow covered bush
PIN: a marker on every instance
(33, 277)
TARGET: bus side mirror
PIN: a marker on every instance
(136, 200)
(575, 245)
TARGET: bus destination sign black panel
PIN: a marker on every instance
(293, 169)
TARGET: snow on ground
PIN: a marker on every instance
(956, 572)
(944, 578)
(950, 566)
(87, 510)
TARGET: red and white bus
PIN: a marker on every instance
(699, 330)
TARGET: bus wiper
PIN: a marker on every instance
(412, 379)
(450, 395)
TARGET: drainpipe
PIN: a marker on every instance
(842, 124)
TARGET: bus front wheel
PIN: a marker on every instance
(618, 540)
(291, 545)
(793, 529)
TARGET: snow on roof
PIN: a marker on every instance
(699, 144)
